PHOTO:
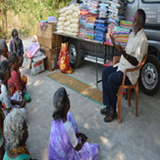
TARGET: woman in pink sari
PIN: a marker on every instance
(16, 82)
(65, 142)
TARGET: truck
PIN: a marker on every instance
(150, 73)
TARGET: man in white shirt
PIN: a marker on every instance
(131, 57)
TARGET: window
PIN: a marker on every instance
(130, 1)
(150, 1)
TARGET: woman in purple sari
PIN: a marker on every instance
(65, 142)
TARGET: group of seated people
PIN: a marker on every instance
(65, 141)
(13, 127)
(12, 91)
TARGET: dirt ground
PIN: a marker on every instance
(135, 138)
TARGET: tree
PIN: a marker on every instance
(39, 9)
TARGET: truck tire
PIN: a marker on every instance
(74, 53)
(150, 76)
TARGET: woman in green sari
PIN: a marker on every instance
(16, 135)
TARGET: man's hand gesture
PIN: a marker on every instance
(118, 47)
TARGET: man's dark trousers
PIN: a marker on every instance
(111, 81)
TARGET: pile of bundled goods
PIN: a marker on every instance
(89, 27)
(100, 30)
(68, 22)
(110, 31)
(88, 15)
(91, 17)
(52, 20)
(116, 15)
(33, 59)
(86, 27)
(85, 4)
(32, 50)
(37, 54)
(126, 24)
(103, 9)
(93, 8)
(116, 11)
(82, 23)
(121, 35)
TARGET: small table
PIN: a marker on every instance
(106, 64)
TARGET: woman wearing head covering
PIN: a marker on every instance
(16, 44)
(8, 102)
(4, 54)
(16, 135)
(16, 82)
(65, 141)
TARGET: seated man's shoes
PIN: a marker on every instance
(104, 111)
(110, 117)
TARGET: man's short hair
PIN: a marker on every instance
(142, 16)
(14, 30)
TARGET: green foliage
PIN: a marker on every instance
(29, 13)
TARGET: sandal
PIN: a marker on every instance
(104, 111)
(110, 117)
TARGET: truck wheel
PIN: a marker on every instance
(74, 54)
(150, 76)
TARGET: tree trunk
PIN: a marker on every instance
(2, 16)
(6, 24)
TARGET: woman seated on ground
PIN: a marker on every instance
(8, 102)
(16, 135)
(4, 54)
(65, 141)
(16, 82)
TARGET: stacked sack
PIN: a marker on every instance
(100, 30)
(68, 22)
(103, 8)
(116, 11)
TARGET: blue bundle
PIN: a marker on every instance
(100, 25)
(99, 39)
(98, 21)
(102, 29)
(89, 26)
(99, 32)
(82, 21)
(99, 35)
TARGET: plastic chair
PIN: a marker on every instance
(129, 87)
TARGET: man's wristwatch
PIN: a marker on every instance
(126, 56)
